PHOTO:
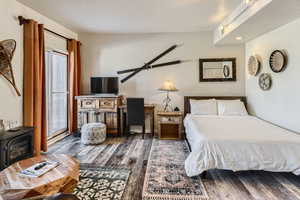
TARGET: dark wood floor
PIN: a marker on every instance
(133, 153)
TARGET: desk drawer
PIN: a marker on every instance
(171, 119)
(108, 105)
(88, 103)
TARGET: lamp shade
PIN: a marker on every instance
(168, 86)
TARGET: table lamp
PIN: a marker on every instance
(168, 86)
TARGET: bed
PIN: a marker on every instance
(238, 143)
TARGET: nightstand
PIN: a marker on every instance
(169, 125)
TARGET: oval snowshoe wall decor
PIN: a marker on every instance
(7, 49)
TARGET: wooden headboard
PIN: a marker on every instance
(187, 107)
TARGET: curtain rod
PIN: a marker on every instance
(23, 20)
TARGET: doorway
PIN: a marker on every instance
(56, 93)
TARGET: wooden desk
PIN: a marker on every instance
(149, 111)
(99, 108)
(63, 178)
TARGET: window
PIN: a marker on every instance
(57, 93)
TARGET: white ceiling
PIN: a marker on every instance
(260, 19)
(135, 16)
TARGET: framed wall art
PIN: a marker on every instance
(217, 69)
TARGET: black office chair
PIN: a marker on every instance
(135, 113)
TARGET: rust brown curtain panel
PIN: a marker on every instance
(34, 103)
(74, 81)
(34, 108)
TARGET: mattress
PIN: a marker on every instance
(239, 143)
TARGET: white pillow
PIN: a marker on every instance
(232, 107)
(204, 107)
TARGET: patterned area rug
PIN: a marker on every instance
(98, 183)
(165, 177)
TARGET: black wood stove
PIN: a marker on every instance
(15, 144)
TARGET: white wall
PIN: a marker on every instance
(280, 105)
(10, 103)
(105, 54)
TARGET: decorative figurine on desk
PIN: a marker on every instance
(176, 109)
(168, 87)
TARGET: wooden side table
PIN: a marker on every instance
(169, 125)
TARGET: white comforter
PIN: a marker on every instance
(239, 143)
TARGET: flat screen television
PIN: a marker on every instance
(104, 85)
